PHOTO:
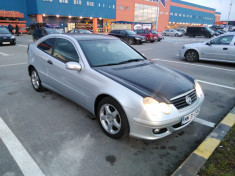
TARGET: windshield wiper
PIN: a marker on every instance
(123, 62)
(131, 60)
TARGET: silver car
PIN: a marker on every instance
(128, 94)
(172, 32)
(221, 49)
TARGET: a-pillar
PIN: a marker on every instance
(95, 25)
(39, 19)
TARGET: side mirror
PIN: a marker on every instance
(73, 66)
(208, 43)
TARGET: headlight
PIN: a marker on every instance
(198, 89)
(137, 38)
(13, 37)
(154, 107)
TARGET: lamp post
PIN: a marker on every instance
(157, 13)
(230, 10)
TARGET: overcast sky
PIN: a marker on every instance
(222, 6)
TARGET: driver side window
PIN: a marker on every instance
(224, 40)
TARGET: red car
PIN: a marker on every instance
(150, 35)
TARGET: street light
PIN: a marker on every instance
(157, 13)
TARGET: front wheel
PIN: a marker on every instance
(164, 34)
(177, 35)
(191, 56)
(130, 41)
(35, 80)
(112, 118)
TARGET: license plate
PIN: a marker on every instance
(190, 117)
(5, 42)
(155, 37)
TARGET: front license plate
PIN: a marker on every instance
(5, 42)
(190, 117)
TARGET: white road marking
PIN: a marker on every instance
(218, 85)
(145, 49)
(18, 152)
(198, 65)
(204, 122)
(23, 45)
(4, 54)
(9, 65)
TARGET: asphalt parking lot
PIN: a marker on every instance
(54, 136)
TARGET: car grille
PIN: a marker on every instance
(180, 102)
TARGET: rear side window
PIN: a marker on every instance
(47, 45)
(65, 51)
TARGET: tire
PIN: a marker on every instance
(191, 56)
(177, 35)
(13, 43)
(112, 118)
(152, 41)
(139, 42)
(35, 80)
(130, 41)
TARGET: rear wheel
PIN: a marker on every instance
(191, 56)
(112, 118)
(177, 35)
(152, 41)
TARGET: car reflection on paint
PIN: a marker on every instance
(128, 94)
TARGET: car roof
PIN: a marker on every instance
(81, 37)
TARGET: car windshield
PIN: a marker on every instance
(209, 29)
(54, 31)
(130, 32)
(153, 32)
(109, 52)
(4, 31)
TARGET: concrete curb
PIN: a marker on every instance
(198, 158)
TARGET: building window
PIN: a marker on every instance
(109, 5)
(180, 14)
(78, 2)
(88, 3)
(113, 6)
(171, 14)
(176, 14)
(47, 0)
(103, 5)
(99, 5)
(161, 12)
(63, 1)
(166, 13)
(127, 8)
(183, 15)
(145, 13)
(120, 7)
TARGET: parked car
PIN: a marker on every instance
(181, 30)
(150, 35)
(40, 32)
(221, 48)
(172, 32)
(126, 92)
(6, 37)
(128, 36)
(80, 31)
(199, 31)
(216, 33)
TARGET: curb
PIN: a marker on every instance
(198, 158)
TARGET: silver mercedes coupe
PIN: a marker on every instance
(128, 94)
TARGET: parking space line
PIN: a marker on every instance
(214, 84)
(204, 122)
(145, 49)
(25, 162)
(198, 65)
(12, 65)
(4, 54)
(23, 45)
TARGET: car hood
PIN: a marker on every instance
(137, 36)
(149, 79)
(5, 35)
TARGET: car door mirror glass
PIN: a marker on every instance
(73, 66)
(208, 43)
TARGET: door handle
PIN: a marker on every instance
(49, 62)
(225, 48)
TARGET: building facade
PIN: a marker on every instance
(97, 15)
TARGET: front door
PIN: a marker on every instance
(217, 48)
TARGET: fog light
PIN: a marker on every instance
(159, 131)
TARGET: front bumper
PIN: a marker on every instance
(143, 129)
(181, 53)
(7, 40)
